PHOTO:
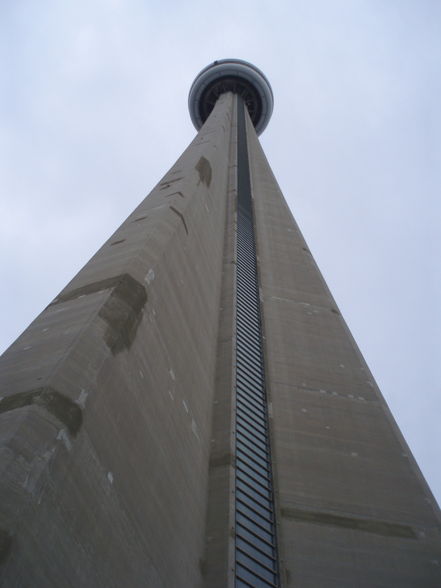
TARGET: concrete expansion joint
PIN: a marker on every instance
(378, 527)
(60, 406)
(334, 393)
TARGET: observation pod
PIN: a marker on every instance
(231, 75)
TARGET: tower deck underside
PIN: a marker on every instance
(117, 416)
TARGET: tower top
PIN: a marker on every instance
(231, 75)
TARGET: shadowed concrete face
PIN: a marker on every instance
(107, 397)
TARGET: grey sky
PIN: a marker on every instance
(93, 112)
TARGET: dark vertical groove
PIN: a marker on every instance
(255, 532)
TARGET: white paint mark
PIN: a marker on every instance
(141, 374)
(172, 374)
(45, 330)
(322, 391)
(327, 427)
(350, 396)
(171, 394)
(110, 477)
(27, 347)
(150, 276)
(82, 398)
(194, 429)
(341, 365)
(48, 454)
(304, 410)
(64, 437)
(185, 406)
(361, 398)
(354, 454)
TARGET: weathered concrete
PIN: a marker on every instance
(117, 409)
(107, 397)
(353, 507)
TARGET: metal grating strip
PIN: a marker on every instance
(256, 550)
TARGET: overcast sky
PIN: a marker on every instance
(93, 111)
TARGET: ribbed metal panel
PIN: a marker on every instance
(256, 545)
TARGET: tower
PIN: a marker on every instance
(191, 409)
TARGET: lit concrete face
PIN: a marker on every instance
(117, 414)
(353, 507)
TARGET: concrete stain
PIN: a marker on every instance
(167, 183)
(368, 525)
(61, 407)
(181, 216)
(122, 312)
(92, 288)
(5, 545)
(203, 167)
(221, 460)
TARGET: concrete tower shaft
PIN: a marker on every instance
(192, 411)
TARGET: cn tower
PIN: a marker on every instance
(192, 411)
